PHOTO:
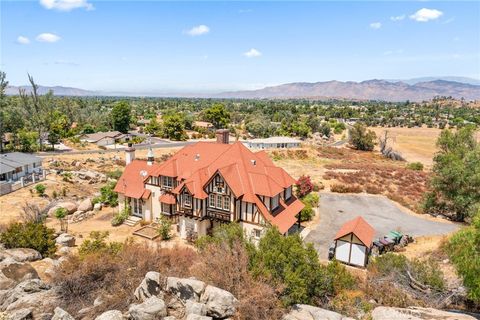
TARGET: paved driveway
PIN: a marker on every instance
(381, 213)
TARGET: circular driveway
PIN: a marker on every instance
(380, 212)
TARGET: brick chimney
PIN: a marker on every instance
(223, 136)
(129, 154)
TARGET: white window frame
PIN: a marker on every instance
(164, 206)
(187, 200)
(219, 202)
(211, 200)
(167, 182)
(275, 202)
(226, 203)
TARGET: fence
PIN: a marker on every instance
(10, 186)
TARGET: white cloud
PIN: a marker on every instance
(23, 40)
(198, 30)
(424, 15)
(252, 53)
(375, 25)
(398, 18)
(66, 5)
(47, 37)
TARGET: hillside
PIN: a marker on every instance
(57, 90)
(365, 90)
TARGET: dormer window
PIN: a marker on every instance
(288, 193)
(187, 200)
(167, 182)
(275, 202)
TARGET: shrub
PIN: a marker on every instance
(164, 227)
(304, 186)
(361, 138)
(40, 189)
(29, 235)
(417, 166)
(464, 250)
(307, 213)
(311, 199)
(373, 189)
(60, 214)
(121, 216)
(343, 188)
(115, 174)
(96, 244)
(108, 196)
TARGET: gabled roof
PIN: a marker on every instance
(97, 136)
(131, 183)
(360, 228)
(10, 161)
(246, 173)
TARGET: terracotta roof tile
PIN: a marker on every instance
(167, 198)
(360, 228)
(131, 183)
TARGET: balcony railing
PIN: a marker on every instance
(218, 215)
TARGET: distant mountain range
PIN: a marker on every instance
(388, 90)
(365, 90)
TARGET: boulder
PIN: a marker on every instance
(98, 301)
(151, 309)
(220, 303)
(65, 251)
(416, 313)
(85, 205)
(13, 272)
(21, 314)
(169, 318)
(306, 312)
(110, 315)
(185, 289)
(197, 317)
(23, 254)
(32, 294)
(65, 240)
(69, 205)
(97, 207)
(60, 314)
(192, 307)
(150, 286)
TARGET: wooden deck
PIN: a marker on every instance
(149, 232)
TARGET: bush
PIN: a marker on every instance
(164, 227)
(306, 214)
(304, 186)
(96, 244)
(417, 166)
(464, 250)
(108, 196)
(361, 138)
(121, 216)
(40, 189)
(115, 174)
(30, 235)
(60, 214)
(311, 199)
(343, 188)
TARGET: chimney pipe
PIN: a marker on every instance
(150, 157)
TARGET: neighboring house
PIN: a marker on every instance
(207, 126)
(274, 142)
(206, 184)
(18, 169)
(104, 138)
(353, 242)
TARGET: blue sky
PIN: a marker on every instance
(154, 46)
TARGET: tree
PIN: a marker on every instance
(174, 127)
(121, 116)
(61, 214)
(455, 182)
(325, 129)
(464, 251)
(218, 115)
(164, 227)
(29, 235)
(3, 106)
(153, 128)
(304, 186)
(361, 138)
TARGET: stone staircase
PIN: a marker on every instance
(132, 221)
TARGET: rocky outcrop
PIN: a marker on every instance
(60, 314)
(185, 289)
(70, 206)
(85, 205)
(416, 313)
(12, 272)
(110, 315)
(150, 286)
(151, 309)
(219, 303)
(21, 254)
(307, 312)
(65, 240)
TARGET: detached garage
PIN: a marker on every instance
(353, 242)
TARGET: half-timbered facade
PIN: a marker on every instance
(206, 184)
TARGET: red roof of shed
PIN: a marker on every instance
(360, 228)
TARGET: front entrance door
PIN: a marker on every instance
(137, 208)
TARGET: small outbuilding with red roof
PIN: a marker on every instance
(353, 242)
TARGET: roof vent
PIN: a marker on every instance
(197, 157)
(254, 162)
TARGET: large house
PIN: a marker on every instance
(104, 138)
(18, 169)
(208, 183)
(274, 142)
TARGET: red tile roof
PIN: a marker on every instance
(131, 183)
(167, 198)
(360, 228)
